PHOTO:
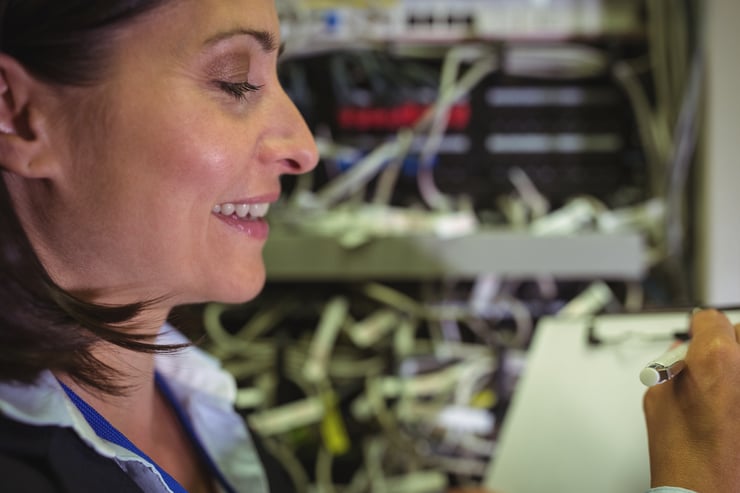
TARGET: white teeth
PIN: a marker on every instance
(242, 211)
(259, 210)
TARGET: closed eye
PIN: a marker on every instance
(238, 90)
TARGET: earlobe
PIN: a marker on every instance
(5, 118)
(21, 133)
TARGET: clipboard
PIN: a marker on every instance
(575, 423)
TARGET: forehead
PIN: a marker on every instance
(187, 26)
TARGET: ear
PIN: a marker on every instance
(23, 131)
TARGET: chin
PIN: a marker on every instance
(241, 291)
(228, 285)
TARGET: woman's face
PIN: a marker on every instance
(189, 132)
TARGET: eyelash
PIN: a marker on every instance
(238, 90)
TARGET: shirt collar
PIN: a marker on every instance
(203, 389)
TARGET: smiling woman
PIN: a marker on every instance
(141, 145)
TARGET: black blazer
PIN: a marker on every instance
(53, 459)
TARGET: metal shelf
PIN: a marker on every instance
(301, 257)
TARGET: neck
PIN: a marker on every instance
(133, 412)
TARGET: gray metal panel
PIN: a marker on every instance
(294, 256)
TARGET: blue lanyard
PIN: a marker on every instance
(107, 431)
(188, 426)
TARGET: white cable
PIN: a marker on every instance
(296, 414)
(659, 59)
(679, 52)
(360, 482)
(393, 298)
(530, 195)
(589, 302)
(473, 376)
(324, 482)
(450, 93)
(485, 288)
(634, 299)
(687, 135)
(653, 136)
(522, 318)
(556, 61)
(450, 69)
(417, 482)
(332, 319)
(376, 326)
(288, 460)
(265, 320)
(389, 177)
(225, 342)
(363, 171)
(374, 451)
(358, 176)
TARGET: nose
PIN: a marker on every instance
(291, 143)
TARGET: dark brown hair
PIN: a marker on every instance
(42, 326)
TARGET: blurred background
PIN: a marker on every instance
(485, 164)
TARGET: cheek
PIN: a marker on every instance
(186, 164)
(196, 168)
(186, 137)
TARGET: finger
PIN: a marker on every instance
(711, 326)
(737, 332)
(713, 341)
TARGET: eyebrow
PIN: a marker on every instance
(266, 39)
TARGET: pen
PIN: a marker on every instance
(666, 366)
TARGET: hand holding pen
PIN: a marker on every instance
(693, 419)
(666, 366)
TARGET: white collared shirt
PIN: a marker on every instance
(205, 392)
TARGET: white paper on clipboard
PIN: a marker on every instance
(575, 423)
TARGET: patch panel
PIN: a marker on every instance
(444, 20)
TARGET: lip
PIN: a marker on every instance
(257, 229)
(269, 198)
